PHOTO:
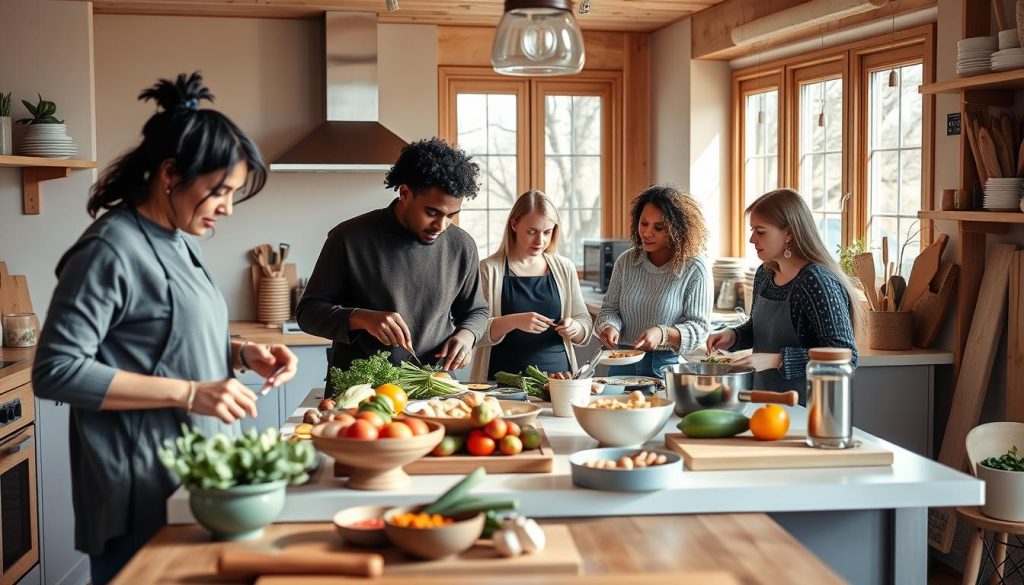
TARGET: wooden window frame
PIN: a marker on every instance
(916, 44)
(530, 125)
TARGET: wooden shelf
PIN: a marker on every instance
(1002, 80)
(974, 216)
(35, 169)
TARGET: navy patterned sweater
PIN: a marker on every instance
(819, 307)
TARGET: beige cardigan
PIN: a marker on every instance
(492, 275)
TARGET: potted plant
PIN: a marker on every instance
(846, 255)
(44, 134)
(5, 124)
(1004, 486)
(237, 486)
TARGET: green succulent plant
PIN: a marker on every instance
(5, 104)
(221, 462)
(43, 112)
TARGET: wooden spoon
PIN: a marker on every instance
(864, 264)
(925, 265)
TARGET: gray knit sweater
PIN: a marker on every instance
(642, 295)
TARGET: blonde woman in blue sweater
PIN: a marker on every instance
(659, 296)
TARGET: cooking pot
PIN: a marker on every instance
(696, 386)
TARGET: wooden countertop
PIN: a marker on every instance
(751, 547)
(260, 333)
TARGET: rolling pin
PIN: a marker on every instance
(239, 561)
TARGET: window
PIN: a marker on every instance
(535, 134)
(850, 144)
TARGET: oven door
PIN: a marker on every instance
(19, 540)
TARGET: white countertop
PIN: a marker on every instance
(911, 482)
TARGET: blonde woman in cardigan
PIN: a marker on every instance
(537, 307)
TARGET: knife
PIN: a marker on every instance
(267, 385)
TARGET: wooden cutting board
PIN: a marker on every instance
(746, 452)
(934, 304)
(14, 297)
(559, 557)
(681, 578)
(540, 460)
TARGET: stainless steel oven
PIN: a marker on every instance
(19, 521)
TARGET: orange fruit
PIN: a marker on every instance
(398, 396)
(769, 423)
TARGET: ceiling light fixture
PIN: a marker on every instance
(538, 38)
(799, 18)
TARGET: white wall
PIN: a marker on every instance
(690, 103)
(269, 79)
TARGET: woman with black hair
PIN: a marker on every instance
(136, 338)
(403, 279)
(659, 295)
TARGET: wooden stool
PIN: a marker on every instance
(1002, 531)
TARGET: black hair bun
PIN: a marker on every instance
(183, 93)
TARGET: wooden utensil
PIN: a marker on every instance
(925, 266)
(897, 288)
(1005, 143)
(1000, 19)
(241, 561)
(972, 139)
(1015, 341)
(864, 265)
(989, 153)
(931, 308)
(969, 395)
(1020, 162)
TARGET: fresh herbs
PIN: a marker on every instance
(1008, 462)
(846, 255)
(375, 370)
(426, 382)
(221, 463)
(5, 104)
(532, 380)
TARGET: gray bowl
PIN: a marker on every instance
(642, 479)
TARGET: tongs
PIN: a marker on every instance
(588, 367)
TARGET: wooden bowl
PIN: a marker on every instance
(377, 465)
(367, 537)
(435, 543)
(521, 413)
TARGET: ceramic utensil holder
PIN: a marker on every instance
(274, 301)
(891, 330)
(20, 330)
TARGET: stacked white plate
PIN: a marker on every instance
(726, 270)
(974, 55)
(1002, 194)
(46, 140)
(1008, 59)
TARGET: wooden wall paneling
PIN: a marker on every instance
(712, 27)
(1015, 342)
(470, 46)
(636, 142)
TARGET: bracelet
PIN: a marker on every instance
(664, 336)
(241, 356)
(191, 395)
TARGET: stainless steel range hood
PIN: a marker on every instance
(352, 138)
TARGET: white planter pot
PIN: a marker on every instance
(1004, 493)
(6, 144)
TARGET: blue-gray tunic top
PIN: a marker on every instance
(133, 296)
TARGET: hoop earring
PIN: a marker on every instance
(789, 252)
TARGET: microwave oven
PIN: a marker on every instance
(598, 260)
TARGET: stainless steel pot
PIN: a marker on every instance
(696, 386)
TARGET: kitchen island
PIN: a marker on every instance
(868, 523)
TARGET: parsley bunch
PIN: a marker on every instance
(1008, 462)
(374, 370)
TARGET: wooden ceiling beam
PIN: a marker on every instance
(711, 28)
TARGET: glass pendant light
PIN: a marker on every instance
(538, 38)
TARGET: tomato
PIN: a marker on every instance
(344, 418)
(417, 426)
(362, 429)
(398, 396)
(530, 438)
(396, 430)
(496, 429)
(479, 444)
(513, 429)
(448, 446)
(769, 423)
(371, 417)
(511, 445)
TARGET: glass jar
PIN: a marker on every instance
(20, 330)
(829, 413)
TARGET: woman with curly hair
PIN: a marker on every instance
(659, 296)
(403, 279)
(801, 297)
(136, 338)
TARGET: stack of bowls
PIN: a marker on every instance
(46, 140)
(1010, 55)
(1002, 194)
(974, 55)
(727, 272)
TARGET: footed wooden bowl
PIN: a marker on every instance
(377, 464)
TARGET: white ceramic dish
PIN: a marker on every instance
(633, 357)
(640, 479)
(622, 427)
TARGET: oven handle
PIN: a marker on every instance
(17, 443)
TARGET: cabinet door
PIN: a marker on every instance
(268, 409)
(312, 370)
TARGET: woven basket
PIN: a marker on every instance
(890, 330)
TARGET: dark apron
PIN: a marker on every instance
(773, 330)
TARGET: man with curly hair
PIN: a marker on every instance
(403, 278)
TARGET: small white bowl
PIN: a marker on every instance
(622, 427)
